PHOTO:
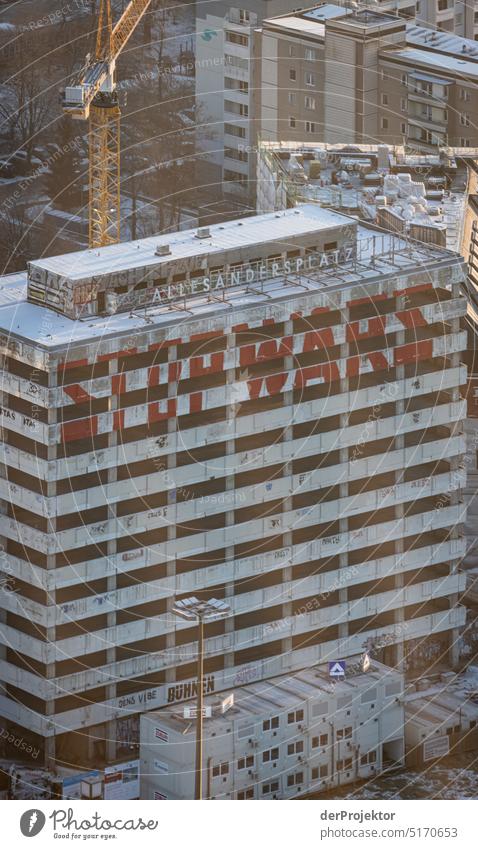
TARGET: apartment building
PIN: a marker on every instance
(456, 16)
(328, 73)
(226, 81)
(268, 412)
(297, 734)
(364, 77)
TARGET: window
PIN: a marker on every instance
(309, 127)
(321, 740)
(295, 716)
(310, 54)
(291, 97)
(237, 38)
(292, 123)
(310, 79)
(465, 119)
(234, 177)
(421, 87)
(268, 724)
(464, 142)
(384, 123)
(403, 104)
(220, 769)
(236, 108)
(442, 5)
(368, 758)
(321, 771)
(385, 99)
(403, 129)
(232, 153)
(310, 103)
(464, 95)
(270, 787)
(292, 74)
(295, 748)
(246, 763)
(295, 778)
(236, 62)
(291, 50)
(403, 79)
(244, 16)
(236, 85)
(233, 130)
(248, 793)
(270, 755)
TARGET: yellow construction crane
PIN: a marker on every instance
(94, 96)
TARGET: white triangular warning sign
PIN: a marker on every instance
(337, 668)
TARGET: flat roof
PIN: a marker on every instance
(373, 17)
(392, 256)
(13, 288)
(442, 41)
(286, 692)
(439, 61)
(442, 703)
(326, 11)
(283, 226)
(297, 23)
(312, 21)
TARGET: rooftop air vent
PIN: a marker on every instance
(203, 233)
(163, 250)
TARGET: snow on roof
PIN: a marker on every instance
(297, 23)
(311, 21)
(442, 41)
(274, 227)
(13, 288)
(441, 61)
(328, 10)
(49, 329)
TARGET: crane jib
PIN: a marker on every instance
(94, 97)
(126, 25)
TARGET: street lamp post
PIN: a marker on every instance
(194, 610)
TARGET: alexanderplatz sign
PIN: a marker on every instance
(218, 282)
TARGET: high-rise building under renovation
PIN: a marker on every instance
(267, 411)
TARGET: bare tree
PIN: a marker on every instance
(17, 243)
(28, 113)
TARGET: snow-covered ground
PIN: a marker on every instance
(456, 778)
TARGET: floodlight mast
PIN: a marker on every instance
(193, 610)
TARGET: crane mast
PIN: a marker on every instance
(93, 96)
